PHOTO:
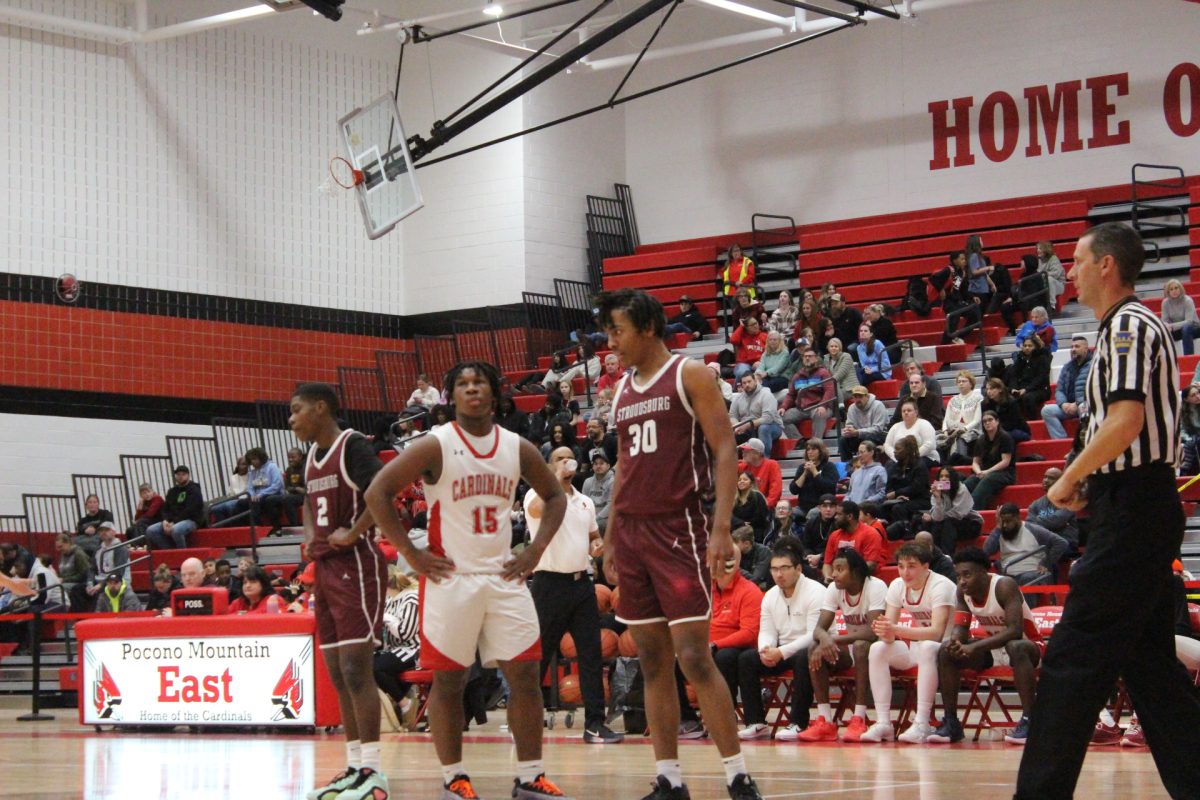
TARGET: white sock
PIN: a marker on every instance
(1106, 717)
(354, 753)
(370, 755)
(923, 712)
(734, 766)
(861, 711)
(825, 710)
(528, 771)
(452, 771)
(671, 770)
(883, 713)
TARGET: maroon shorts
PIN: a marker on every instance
(662, 567)
(350, 591)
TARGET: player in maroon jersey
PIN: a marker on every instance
(676, 449)
(351, 576)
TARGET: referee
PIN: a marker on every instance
(1117, 618)
(564, 595)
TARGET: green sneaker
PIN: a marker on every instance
(332, 789)
(368, 785)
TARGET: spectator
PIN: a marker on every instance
(112, 557)
(292, 499)
(979, 271)
(1179, 314)
(1003, 297)
(1054, 519)
(599, 485)
(562, 434)
(235, 490)
(750, 507)
(960, 305)
(767, 475)
(998, 400)
(542, 421)
(1189, 414)
(819, 529)
(1070, 394)
(745, 307)
(722, 384)
(755, 414)
(852, 532)
(866, 421)
(825, 299)
(117, 596)
(511, 418)
(883, 329)
(601, 406)
(816, 477)
(939, 562)
(182, 512)
(790, 610)
(401, 646)
(868, 514)
(911, 424)
(587, 366)
(559, 366)
(1052, 268)
(257, 595)
(823, 335)
(783, 522)
(952, 517)
(440, 415)
(15, 560)
(611, 374)
(907, 487)
(1029, 377)
(776, 364)
(749, 342)
(161, 586)
(913, 367)
(1039, 324)
(148, 511)
(738, 274)
(873, 362)
(689, 320)
(994, 465)
(423, 398)
(868, 483)
(755, 560)
(74, 570)
(846, 321)
(87, 530)
(962, 424)
(597, 436)
(566, 390)
(808, 317)
(841, 367)
(1028, 552)
(191, 573)
(265, 480)
(810, 395)
(929, 405)
(783, 318)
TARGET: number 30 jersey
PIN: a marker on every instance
(663, 461)
(470, 506)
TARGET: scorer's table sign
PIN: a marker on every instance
(264, 680)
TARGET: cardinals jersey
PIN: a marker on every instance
(991, 617)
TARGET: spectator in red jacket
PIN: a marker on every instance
(810, 395)
(611, 374)
(149, 511)
(749, 341)
(765, 469)
(852, 532)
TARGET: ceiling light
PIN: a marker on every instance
(493, 9)
(745, 10)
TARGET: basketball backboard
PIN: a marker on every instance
(375, 143)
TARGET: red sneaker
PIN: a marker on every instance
(1106, 735)
(819, 730)
(1134, 737)
(854, 731)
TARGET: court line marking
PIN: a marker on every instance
(851, 789)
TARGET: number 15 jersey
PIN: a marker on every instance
(470, 506)
(663, 459)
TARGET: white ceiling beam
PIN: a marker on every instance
(741, 9)
(98, 32)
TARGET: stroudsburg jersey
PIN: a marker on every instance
(938, 591)
(335, 481)
(873, 597)
(664, 462)
(990, 615)
(470, 506)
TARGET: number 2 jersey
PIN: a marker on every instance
(335, 481)
(664, 462)
(470, 506)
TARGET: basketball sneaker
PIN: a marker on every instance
(1105, 735)
(602, 734)
(368, 785)
(1020, 733)
(916, 733)
(949, 732)
(459, 789)
(855, 729)
(539, 788)
(663, 790)
(819, 730)
(879, 732)
(744, 788)
(791, 733)
(332, 789)
(758, 730)
(1134, 737)
(691, 729)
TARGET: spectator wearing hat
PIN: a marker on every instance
(689, 320)
(111, 559)
(819, 528)
(118, 596)
(598, 486)
(866, 420)
(767, 474)
(183, 509)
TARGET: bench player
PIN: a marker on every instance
(473, 592)
(351, 581)
(671, 426)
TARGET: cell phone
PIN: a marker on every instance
(942, 486)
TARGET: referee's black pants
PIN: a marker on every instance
(1117, 621)
(567, 604)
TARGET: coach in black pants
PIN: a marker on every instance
(1117, 619)
(565, 597)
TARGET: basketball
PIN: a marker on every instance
(609, 643)
(567, 646)
(626, 646)
(604, 598)
(568, 691)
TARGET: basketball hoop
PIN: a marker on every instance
(344, 174)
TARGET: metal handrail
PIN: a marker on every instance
(1178, 181)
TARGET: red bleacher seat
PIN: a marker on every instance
(224, 538)
(175, 558)
(529, 403)
(1049, 449)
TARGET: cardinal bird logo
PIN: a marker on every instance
(289, 692)
(106, 695)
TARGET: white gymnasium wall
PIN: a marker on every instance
(839, 128)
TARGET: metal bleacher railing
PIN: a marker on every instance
(773, 247)
(1142, 206)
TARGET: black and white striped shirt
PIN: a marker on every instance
(1135, 360)
(401, 624)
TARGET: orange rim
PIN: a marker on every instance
(356, 175)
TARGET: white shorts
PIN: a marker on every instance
(465, 613)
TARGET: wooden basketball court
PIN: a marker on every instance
(61, 759)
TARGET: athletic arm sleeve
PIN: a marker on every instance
(361, 462)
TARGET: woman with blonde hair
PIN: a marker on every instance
(1179, 313)
(841, 367)
(783, 318)
(963, 422)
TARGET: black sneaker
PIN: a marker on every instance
(663, 790)
(601, 734)
(744, 788)
(949, 732)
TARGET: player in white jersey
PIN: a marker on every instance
(928, 598)
(473, 591)
(1011, 639)
(861, 598)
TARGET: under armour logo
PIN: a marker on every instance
(675, 545)
(345, 576)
